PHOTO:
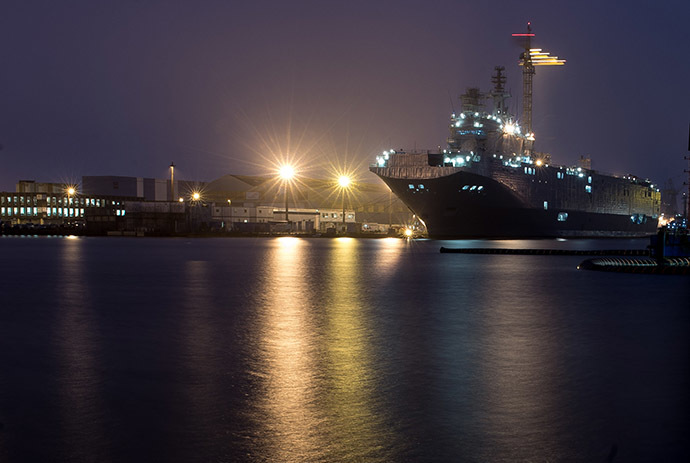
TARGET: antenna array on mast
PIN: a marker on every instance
(530, 58)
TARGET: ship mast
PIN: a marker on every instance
(499, 93)
(530, 58)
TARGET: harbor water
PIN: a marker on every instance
(336, 350)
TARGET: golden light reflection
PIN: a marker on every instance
(356, 425)
(287, 363)
(387, 257)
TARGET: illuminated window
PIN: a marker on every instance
(546, 205)
(588, 188)
(410, 186)
(562, 216)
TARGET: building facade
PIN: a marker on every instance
(55, 208)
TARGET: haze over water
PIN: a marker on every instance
(300, 350)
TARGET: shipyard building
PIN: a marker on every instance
(252, 204)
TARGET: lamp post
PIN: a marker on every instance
(344, 182)
(287, 173)
(172, 181)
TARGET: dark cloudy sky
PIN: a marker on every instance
(123, 87)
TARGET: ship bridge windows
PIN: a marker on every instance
(638, 219)
(472, 188)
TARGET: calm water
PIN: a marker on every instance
(294, 350)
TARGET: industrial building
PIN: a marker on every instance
(253, 204)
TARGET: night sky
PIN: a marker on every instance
(125, 87)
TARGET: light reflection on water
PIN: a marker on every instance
(288, 425)
(315, 362)
(356, 431)
(519, 359)
(335, 350)
(77, 347)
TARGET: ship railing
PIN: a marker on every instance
(419, 151)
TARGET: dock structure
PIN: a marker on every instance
(548, 252)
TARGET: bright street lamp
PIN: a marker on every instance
(286, 172)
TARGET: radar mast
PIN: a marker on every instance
(530, 58)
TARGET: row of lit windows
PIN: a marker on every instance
(35, 211)
(26, 211)
(335, 215)
(58, 201)
(17, 200)
(48, 211)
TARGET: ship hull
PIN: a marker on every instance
(451, 208)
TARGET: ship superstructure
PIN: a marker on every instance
(490, 182)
